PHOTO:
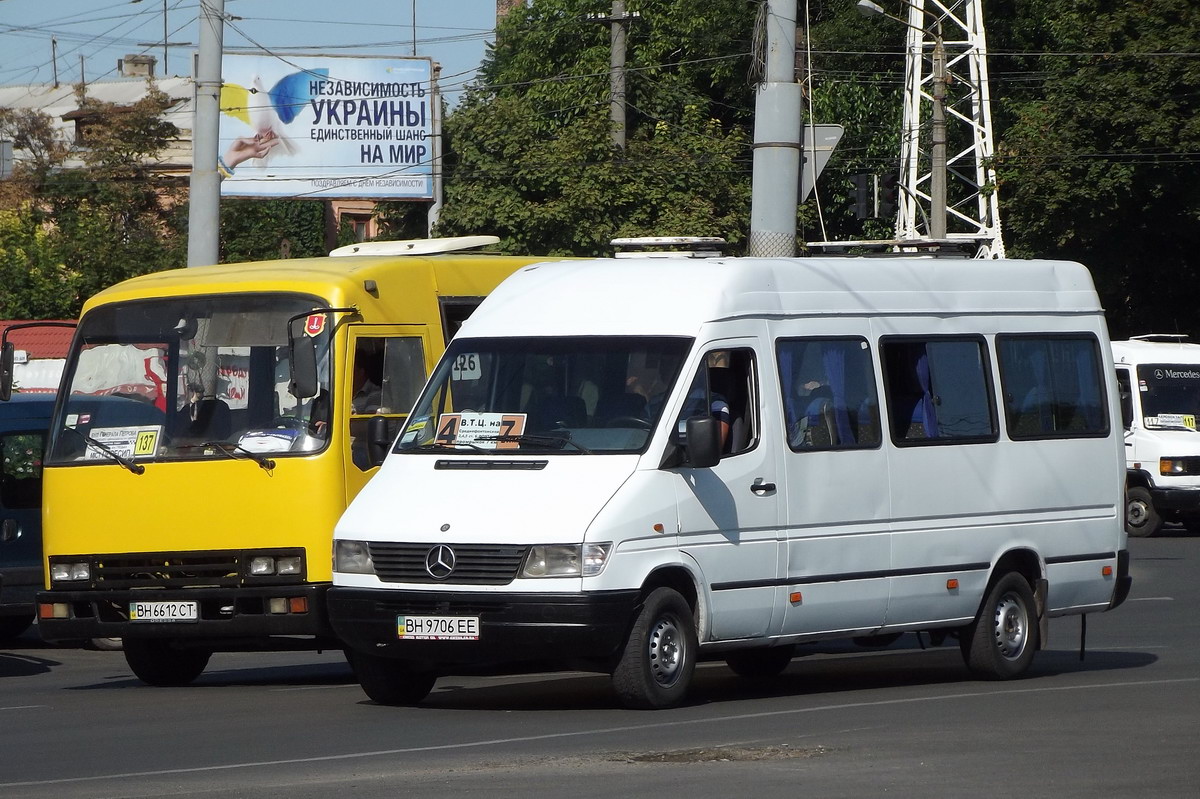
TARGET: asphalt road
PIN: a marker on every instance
(840, 722)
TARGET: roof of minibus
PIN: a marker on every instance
(1138, 352)
(657, 296)
(337, 279)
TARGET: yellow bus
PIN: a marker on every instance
(212, 425)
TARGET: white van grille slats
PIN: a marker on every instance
(474, 564)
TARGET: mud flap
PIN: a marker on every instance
(1040, 590)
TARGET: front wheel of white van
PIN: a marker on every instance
(388, 681)
(656, 666)
(1141, 519)
(1001, 642)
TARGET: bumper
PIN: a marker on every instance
(18, 586)
(1124, 580)
(557, 629)
(1179, 499)
(230, 618)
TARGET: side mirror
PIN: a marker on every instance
(7, 356)
(703, 442)
(304, 368)
(9, 530)
(378, 439)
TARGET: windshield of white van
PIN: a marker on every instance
(191, 378)
(574, 395)
(1170, 394)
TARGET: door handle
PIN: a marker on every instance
(759, 487)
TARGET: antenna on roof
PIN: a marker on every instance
(680, 247)
(416, 246)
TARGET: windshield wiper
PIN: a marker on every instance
(443, 445)
(558, 442)
(136, 468)
(228, 449)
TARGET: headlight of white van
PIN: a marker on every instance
(352, 557)
(566, 560)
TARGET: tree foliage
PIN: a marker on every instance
(1098, 159)
(531, 155)
(1094, 103)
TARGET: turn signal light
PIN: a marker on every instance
(952, 584)
(795, 597)
(52, 610)
(1106, 571)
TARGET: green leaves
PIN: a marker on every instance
(530, 154)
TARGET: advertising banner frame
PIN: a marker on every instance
(337, 127)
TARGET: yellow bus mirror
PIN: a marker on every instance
(7, 356)
(304, 368)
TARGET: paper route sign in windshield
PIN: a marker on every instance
(480, 429)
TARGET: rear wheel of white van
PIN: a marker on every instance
(389, 681)
(760, 663)
(1000, 644)
(656, 666)
(1141, 519)
(158, 663)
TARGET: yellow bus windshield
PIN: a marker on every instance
(192, 377)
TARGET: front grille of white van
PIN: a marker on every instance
(474, 564)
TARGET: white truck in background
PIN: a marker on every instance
(1158, 376)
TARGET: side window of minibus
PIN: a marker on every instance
(386, 375)
(1053, 385)
(938, 391)
(829, 394)
(726, 389)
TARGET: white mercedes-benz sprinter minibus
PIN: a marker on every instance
(631, 465)
(1158, 377)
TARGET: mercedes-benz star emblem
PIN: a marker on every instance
(439, 562)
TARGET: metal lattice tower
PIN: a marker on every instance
(972, 202)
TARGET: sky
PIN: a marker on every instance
(452, 32)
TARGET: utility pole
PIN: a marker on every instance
(54, 58)
(204, 205)
(616, 75)
(435, 94)
(937, 135)
(777, 143)
(618, 18)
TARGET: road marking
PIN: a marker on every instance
(22, 707)
(672, 723)
(1152, 599)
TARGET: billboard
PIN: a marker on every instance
(326, 126)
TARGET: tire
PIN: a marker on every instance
(655, 668)
(1141, 519)
(760, 663)
(1001, 642)
(13, 626)
(160, 664)
(387, 681)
